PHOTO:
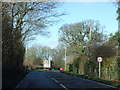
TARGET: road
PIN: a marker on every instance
(53, 79)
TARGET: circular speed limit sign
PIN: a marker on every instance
(99, 59)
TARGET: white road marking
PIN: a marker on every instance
(64, 86)
(49, 76)
(83, 79)
(55, 80)
(60, 84)
(99, 83)
(22, 80)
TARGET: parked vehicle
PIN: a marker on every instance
(61, 69)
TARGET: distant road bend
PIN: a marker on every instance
(53, 79)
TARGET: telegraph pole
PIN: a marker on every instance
(65, 58)
(90, 33)
(89, 42)
(26, 51)
(118, 54)
(118, 17)
(118, 24)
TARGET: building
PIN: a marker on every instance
(46, 64)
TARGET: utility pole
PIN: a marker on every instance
(118, 24)
(118, 54)
(118, 17)
(89, 42)
(90, 34)
(26, 52)
(65, 58)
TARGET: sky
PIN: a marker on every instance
(104, 12)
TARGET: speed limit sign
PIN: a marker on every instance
(99, 59)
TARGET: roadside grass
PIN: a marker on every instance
(108, 82)
(11, 79)
(38, 69)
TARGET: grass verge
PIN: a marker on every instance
(108, 82)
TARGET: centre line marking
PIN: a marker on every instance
(55, 80)
(60, 84)
(64, 86)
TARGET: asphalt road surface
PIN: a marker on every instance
(57, 80)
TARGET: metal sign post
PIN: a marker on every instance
(99, 59)
(99, 68)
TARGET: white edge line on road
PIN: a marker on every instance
(18, 85)
(99, 83)
(64, 86)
